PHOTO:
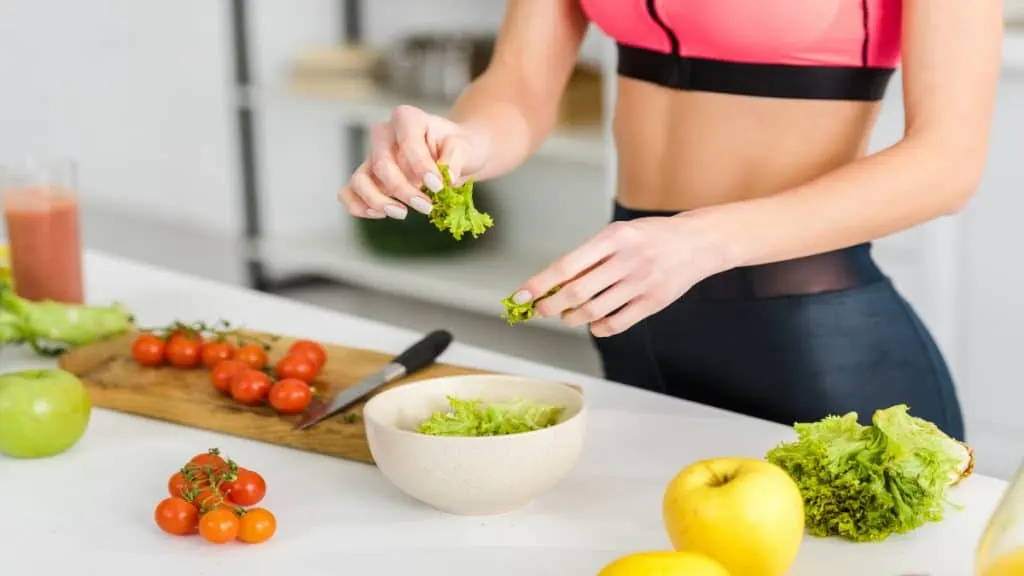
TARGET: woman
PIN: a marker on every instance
(737, 272)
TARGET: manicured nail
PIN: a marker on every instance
(373, 213)
(421, 205)
(432, 182)
(521, 297)
(396, 212)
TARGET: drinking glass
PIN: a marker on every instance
(1001, 551)
(40, 206)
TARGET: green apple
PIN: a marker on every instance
(42, 412)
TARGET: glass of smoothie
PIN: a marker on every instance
(40, 206)
(1001, 551)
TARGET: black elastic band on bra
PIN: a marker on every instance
(769, 80)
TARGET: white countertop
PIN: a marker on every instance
(93, 506)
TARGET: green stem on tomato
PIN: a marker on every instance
(219, 331)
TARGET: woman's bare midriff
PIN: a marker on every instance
(684, 150)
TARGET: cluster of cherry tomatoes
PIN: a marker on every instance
(239, 365)
(215, 498)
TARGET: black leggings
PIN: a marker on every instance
(790, 342)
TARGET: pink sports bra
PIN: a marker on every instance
(811, 49)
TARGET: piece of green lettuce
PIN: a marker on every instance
(11, 331)
(865, 483)
(474, 418)
(516, 313)
(46, 323)
(453, 208)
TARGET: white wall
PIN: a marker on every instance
(992, 315)
(135, 91)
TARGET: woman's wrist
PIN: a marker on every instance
(478, 142)
(709, 235)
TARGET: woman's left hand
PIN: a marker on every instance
(627, 272)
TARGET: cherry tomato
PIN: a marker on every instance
(256, 525)
(290, 396)
(297, 367)
(199, 492)
(183, 351)
(252, 355)
(224, 372)
(189, 333)
(176, 516)
(178, 486)
(248, 489)
(213, 353)
(219, 525)
(211, 458)
(311, 350)
(148, 350)
(250, 386)
(207, 498)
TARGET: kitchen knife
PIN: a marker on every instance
(415, 358)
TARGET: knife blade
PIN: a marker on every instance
(415, 358)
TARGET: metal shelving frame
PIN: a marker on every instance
(257, 277)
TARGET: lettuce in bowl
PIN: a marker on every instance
(475, 418)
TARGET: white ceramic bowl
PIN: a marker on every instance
(473, 475)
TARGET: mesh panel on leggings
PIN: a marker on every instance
(827, 272)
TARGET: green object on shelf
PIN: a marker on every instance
(416, 235)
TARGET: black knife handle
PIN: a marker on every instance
(424, 352)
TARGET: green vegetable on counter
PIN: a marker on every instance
(516, 313)
(454, 210)
(865, 483)
(43, 324)
(10, 328)
(474, 418)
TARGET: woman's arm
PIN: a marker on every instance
(514, 103)
(952, 60)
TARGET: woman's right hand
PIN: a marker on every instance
(404, 155)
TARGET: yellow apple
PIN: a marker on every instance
(743, 512)
(664, 564)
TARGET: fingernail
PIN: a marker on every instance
(373, 213)
(421, 205)
(521, 297)
(432, 182)
(396, 212)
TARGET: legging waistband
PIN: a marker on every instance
(843, 269)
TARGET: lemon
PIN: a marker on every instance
(664, 564)
(6, 277)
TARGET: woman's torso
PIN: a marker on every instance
(731, 99)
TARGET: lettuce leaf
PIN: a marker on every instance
(516, 313)
(44, 323)
(11, 330)
(865, 483)
(474, 418)
(453, 208)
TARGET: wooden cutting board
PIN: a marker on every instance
(187, 397)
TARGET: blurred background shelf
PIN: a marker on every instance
(356, 80)
(474, 281)
(365, 107)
